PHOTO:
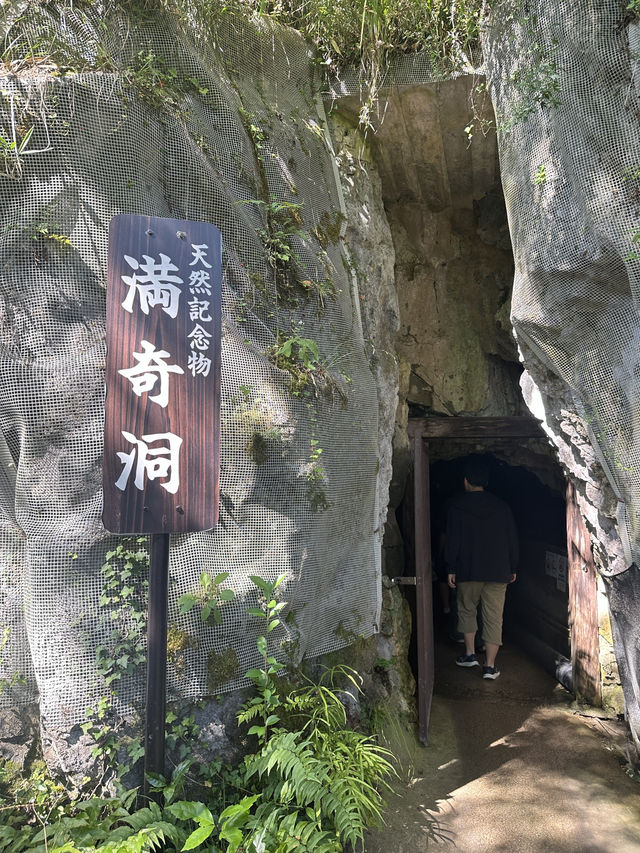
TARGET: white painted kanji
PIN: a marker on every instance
(153, 463)
(200, 282)
(154, 284)
(150, 370)
(198, 254)
(199, 364)
(199, 310)
(200, 338)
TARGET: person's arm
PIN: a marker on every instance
(451, 547)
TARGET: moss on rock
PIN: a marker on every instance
(221, 666)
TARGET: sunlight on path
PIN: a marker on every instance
(510, 768)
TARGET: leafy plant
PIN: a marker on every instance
(16, 678)
(318, 780)
(124, 597)
(11, 153)
(312, 785)
(267, 700)
(123, 604)
(302, 350)
(283, 220)
(209, 598)
(540, 176)
(300, 357)
(634, 255)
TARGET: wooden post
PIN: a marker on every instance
(424, 591)
(156, 657)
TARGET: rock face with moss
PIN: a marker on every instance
(371, 259)
(215, 120)
(563, 81)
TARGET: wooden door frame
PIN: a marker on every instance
(422, 431)
(583, 606)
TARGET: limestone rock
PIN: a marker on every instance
(563, 84)
(371, 256)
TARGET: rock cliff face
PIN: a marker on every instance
(453, 262)
(453, 274)
(563, 80)
(453, 266)
(140, 116)
(412, 318)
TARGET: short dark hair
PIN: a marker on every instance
(476, 471)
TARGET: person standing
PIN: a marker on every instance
(481, 553)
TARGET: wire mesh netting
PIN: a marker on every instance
(101, 116)
(564, 84)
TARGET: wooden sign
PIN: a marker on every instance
(162, 411)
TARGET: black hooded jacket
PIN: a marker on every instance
(481, 541)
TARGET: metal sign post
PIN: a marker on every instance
(162, 410)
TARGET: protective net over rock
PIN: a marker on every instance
(100, 116)
(564, 82)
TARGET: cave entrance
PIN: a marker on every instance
(552, 610)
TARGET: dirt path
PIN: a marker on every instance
(510, 766)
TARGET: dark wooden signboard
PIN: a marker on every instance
(162, 410)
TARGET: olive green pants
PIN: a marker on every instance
(490, 596)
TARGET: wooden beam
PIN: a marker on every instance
(583, 606)
(476, 428)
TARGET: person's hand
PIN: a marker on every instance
(513, 577)
(452, 581)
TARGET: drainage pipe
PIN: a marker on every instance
(552, 661)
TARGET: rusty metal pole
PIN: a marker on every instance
(154, 747)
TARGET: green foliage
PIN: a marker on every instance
(538, 86)
(123, 608)
(159, 84)
(359, 33)
(314, 472)
(267, 700)
(12, 151)
(49, 231)
(365, 33)
(311, 786)
(16, 678)
(300, 357)
(540, 176)
(302, 350)
(208, 598)
(634, 255)
(124, 605)
(180, 733)
(318, 780)
(283, 220)
(48, 818)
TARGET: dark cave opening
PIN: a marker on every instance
(536, 615)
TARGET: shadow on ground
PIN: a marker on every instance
(510, 766)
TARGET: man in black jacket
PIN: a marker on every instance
(481, 552)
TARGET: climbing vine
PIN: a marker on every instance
(123, 608)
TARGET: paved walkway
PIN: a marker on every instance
(511, 767)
